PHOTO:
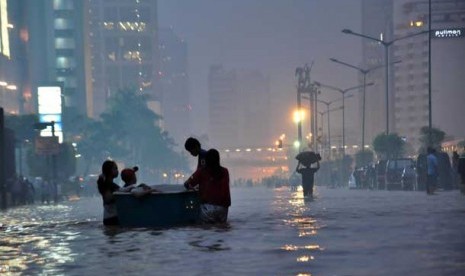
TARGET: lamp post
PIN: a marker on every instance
(343, 92)
(303, 86)
(364, 72)
(328, 103)
(386, 45)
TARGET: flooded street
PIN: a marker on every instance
(270, 232)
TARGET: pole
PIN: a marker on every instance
(315, 108)
(54, 168)
(343, 126)
(363, 115)
(2, 161)
(386, 76)
(299, 122)
(329, 132)
(430, 118)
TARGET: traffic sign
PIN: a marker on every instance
(47, 145)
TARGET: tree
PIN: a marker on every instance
(437, 137)
(388, 146)
(132, 133)
(363, 157)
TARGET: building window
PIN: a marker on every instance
(63, 5)
(63, 24)
(64, 43)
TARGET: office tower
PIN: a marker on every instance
(124, 53)
(447, 68)
(175, 103)
(377, 23)
(223, 107)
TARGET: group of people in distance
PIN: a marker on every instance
(210, 179)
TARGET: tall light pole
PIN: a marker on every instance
(343, 92)
(328, 103)
(364, 72)
(430, 118)
(303, 87)
(386, 45)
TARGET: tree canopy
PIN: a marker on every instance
(129, 132)
(388, 146)
(437, 137)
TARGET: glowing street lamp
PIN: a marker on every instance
(299, 116)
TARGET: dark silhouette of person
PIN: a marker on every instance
(194, 147)
(308, 178)
(106, 187)
(214, 192)
(432, 171)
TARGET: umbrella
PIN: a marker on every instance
(308, 157)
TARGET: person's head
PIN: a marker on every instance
(193, 146)
(128, 175)
(430, 150)
(212, 158)
(110, 169)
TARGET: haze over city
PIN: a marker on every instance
(232, 137)
(271, 36)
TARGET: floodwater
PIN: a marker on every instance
(270, 232)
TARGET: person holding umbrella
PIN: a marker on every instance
(304, 167)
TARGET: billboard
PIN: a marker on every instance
(49, 101)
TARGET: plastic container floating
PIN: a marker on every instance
(173, 206)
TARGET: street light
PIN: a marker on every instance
(328, 103)
(343, 92)
(364, 72)
(386, 45)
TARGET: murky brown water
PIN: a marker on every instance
(271, 232)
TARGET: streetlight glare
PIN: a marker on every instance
(296, 144)
(299, 116)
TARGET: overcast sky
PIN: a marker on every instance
(273, 36)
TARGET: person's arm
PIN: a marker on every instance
(193, 180)
(297, 169)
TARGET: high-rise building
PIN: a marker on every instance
(46, 46)
(12, 51)
(447, 68)
(254, 106)
(239, 105)
(124, 50)
(175, 103)
(377, 23)
(223, 107)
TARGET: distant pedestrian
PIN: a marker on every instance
(194, 147)
(307, 172)
(432, 171)
(461, 171)
(455, 169)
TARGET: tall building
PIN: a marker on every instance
(447, 68)
(376, 22)
(123, 41)
(223, 108)
(254, 106)
(11, 50)
(175, 102)
(239, 105)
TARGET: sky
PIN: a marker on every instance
(272, 36)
